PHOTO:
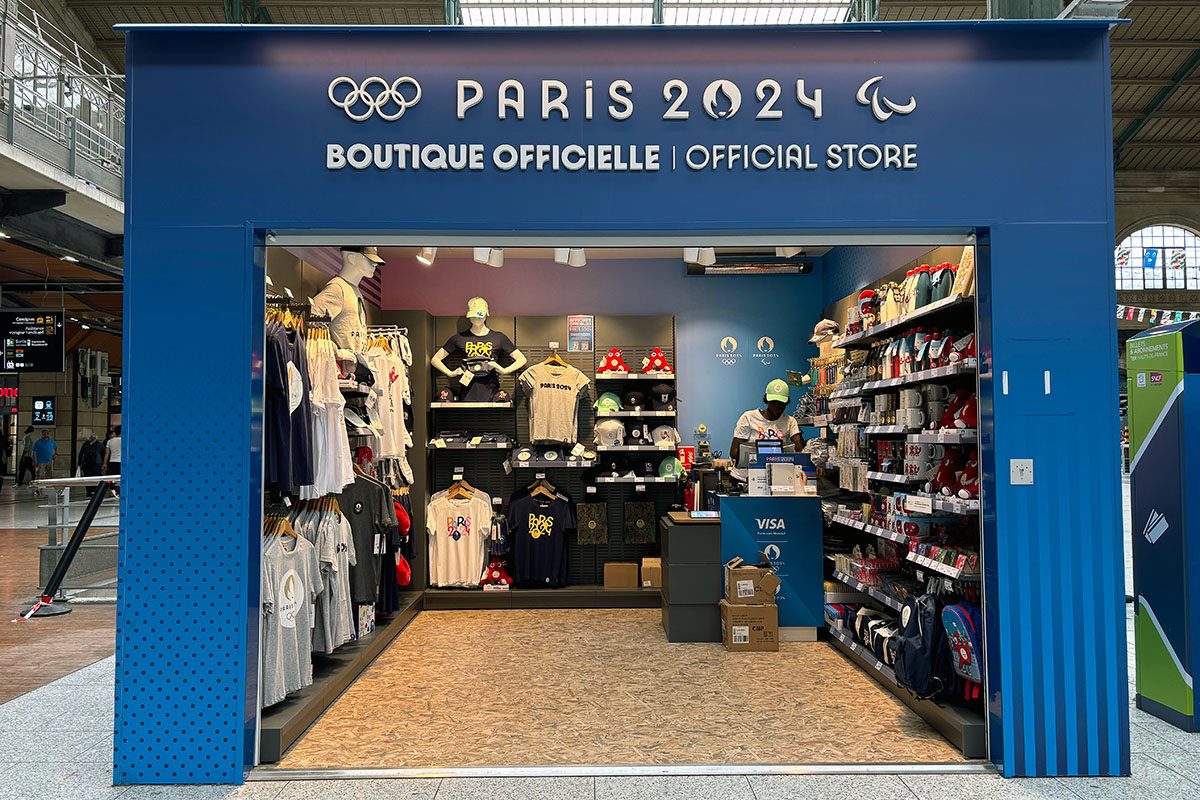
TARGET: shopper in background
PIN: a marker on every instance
(26, 461)
(5, 453)
(45, 450)
(91, 460)
(112, 453)
(767, 423)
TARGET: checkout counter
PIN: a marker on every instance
(787, 529)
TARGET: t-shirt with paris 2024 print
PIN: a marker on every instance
(553, 391)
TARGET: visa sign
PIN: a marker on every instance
(770, 524)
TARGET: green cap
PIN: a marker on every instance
(608, 402)
(670, 468)
(477, 308)
(777, 390)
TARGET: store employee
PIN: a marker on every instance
(768, 423)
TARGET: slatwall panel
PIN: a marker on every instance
(636, 336)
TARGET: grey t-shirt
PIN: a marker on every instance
(291, 581)
(553, 392)
(331, 536)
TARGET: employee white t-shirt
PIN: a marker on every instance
(753, 426)
(114, 449)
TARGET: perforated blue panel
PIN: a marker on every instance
(190, 478)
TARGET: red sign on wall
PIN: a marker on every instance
(686, 456)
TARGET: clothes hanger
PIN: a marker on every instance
(543, 487)
(555, 358)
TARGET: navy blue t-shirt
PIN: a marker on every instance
(538, 529)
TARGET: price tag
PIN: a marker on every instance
(641, 487)
(287, 501)
(288, 292)
(476, 440)
(923, 505)
(589, 490)
(541, 476)
(508, 468)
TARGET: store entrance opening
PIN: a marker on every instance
(505, 492)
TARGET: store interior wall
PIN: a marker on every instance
(877, 266)
(288, 271)
(768, 318)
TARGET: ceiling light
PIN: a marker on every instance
(427, 255)
(706, 257)
(562, 255)
(788, 252)
(3, 235)
(72, 259)
(577, 257)
(496, 257)
(85, 326)
(691, 254)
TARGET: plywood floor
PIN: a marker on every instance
(571, 687)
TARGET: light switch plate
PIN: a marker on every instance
(1020, 471)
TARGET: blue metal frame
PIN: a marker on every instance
(227, 133)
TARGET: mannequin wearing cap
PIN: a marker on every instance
(341, 301)
(767, 423)
(480, 347)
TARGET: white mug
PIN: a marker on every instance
(936, 392)
(915, 467)
(933, 452)
(911, 398)
(911, 417)
(937, 410)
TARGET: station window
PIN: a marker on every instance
(1159, 257)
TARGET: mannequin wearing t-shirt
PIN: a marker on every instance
(767, 423)
(480, 347)
(341, 301)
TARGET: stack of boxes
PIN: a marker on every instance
(749, 616)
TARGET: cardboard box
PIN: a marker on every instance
(745, 585)
(749, 628)
(651, 573)
(621, 576)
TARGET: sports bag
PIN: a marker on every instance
(922, 655)
(964, 623)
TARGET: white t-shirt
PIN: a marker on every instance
(459, 531)
(114, 449)
(753, 426)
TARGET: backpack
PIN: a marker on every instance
(922, 654)
(964, 624)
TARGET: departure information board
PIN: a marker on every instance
(33, 340)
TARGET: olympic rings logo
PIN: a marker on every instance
(375, 95)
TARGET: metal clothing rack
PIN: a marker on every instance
(380, 329)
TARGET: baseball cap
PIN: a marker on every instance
(664, 436)
(662, 397)
(777, 390)
(477, 308)
(633, 401)
(824, 329)
(610, 432)
(645, 468)
(670, 468)
(372, 253)
(636, 434)
(608, 402)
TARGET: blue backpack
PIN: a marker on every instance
(922, 655)
(964, 627)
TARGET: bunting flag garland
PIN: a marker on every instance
(1155, 315)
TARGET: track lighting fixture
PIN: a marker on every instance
(691, 255)
(492, 256)
(788, 252)
(562, 255)
(427, 255)
(706, 257)
(574, 256)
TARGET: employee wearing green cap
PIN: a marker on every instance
(767, 423)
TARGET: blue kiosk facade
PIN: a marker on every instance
(890, 133)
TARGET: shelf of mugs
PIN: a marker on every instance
(964, 367)
(886, 330)
(954, 505)
(505, 404)
(635, 376)
(890, 602)
(945, 436)
(889, 477)
(846, 402)
(634, 479)
(469, 446)
(635, 413)
(939, 567)
(869, 659)
(874, 530)
(887, 429)
(634, 448)
(849, 391)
